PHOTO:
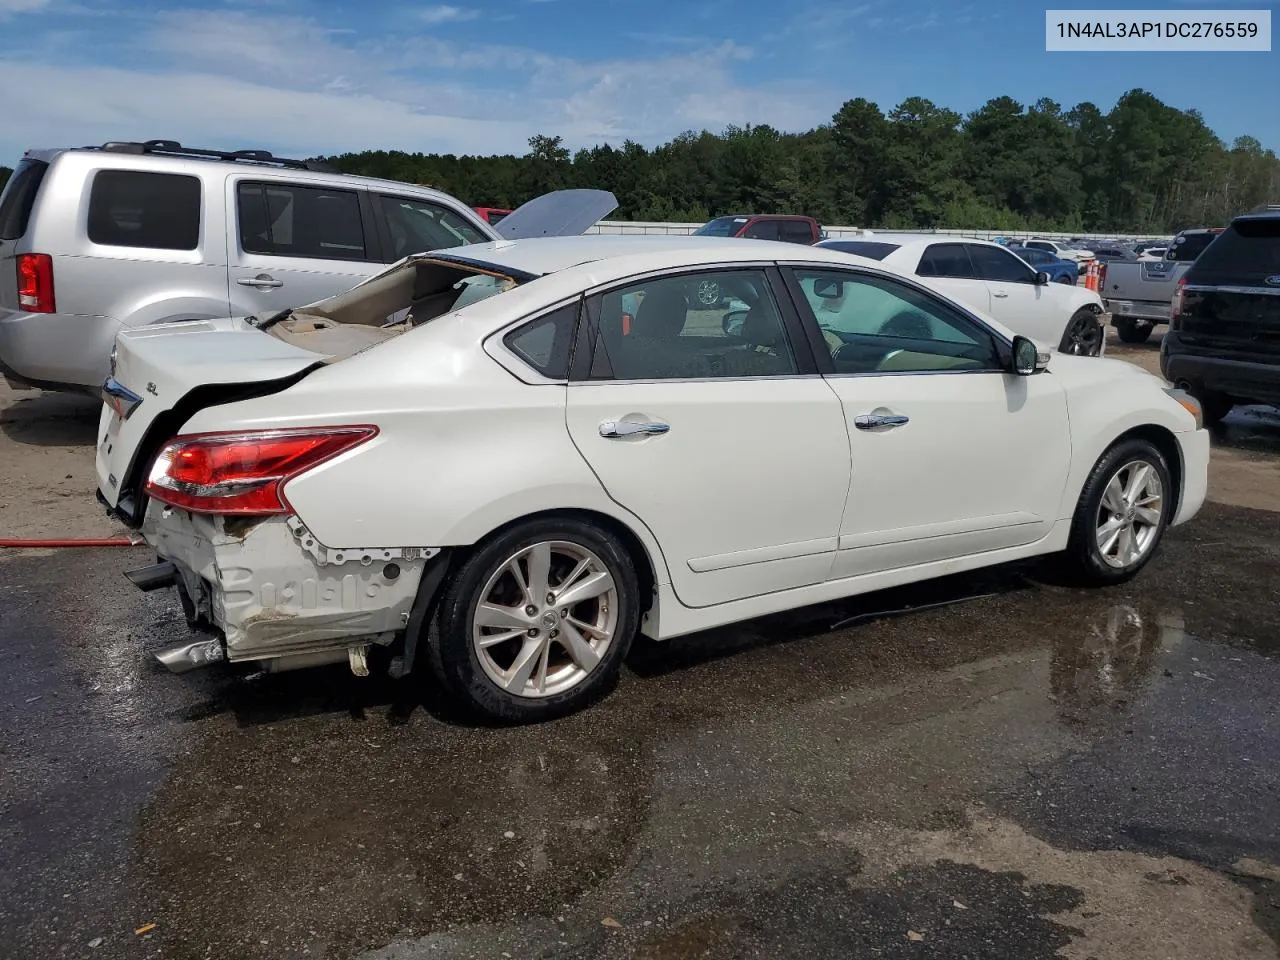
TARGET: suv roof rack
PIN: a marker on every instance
(175, 149)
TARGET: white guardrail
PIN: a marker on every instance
(639, 228)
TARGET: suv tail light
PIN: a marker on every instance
(243, 473)
(35, 282)
(1175, 306)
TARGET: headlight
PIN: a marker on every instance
(1188, 403)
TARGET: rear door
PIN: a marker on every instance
(290, 244)
(415, 225)
(729, 448)
(947, 267)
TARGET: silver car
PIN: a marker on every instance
(96, 239)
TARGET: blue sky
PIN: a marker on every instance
(481, 76)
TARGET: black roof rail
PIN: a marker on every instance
(173, 148)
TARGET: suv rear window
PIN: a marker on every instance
(19, 197)
(157, 211)
(1248, 251)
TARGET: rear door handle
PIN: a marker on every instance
(1001, 294)
(616, 429)
(261, 281)
(869, 421)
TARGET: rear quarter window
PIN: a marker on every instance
(1247, 252)
(863, 248)
(155, 211)
(19, 197)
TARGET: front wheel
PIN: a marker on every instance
(1131, 331)
(1083, 336)
(536, 622)
(1122, 513)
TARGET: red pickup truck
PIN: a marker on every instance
(764, 226)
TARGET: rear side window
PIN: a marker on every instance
(946, 260)
(19, 197)
(155, 211)
(283, 220)
(545, 343)
(1248, 251)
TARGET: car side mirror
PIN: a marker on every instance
(1042, 278)
(828, 289)
(1027, 358)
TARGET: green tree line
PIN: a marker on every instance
(1142, 167)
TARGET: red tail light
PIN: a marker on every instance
(243, 473)
(1175, 307)
(35, 282)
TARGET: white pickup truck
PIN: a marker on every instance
(1137, 293)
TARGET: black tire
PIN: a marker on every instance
(1083, 555)
(1131, 331)
(1066, 278)
(454, 657)
(1084, 334)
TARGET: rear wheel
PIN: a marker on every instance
(1122, 513)
(1132, 331)
(536, 622)
(1083, 337)
(1065, 278)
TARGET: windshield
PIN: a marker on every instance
(720, 227)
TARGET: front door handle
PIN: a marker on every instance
(1000, 294)
(262, 281)
(615, 429)
(869, 421)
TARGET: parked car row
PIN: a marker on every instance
(682, 426)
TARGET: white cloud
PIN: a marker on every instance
(288, 84)
(445, 13)
(8, 7)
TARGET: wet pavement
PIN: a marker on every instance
(1041, 771)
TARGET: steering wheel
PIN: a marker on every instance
(907, 324)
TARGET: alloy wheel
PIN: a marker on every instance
(1130, 514)
(708, 293)
(1084, 339)
(545, 619)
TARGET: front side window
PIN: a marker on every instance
(284, 220)
(878, 325)
(154, 211)
(993, 263)
(946, 260)
(762, 230)
(664, 329)
(418, 225)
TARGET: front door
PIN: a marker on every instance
(952, 456)
(728, 447)
(1017, 301)
(291, 245)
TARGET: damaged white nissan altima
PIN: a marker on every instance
(505, 461)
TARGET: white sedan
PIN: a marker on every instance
(991, 279)
(507, 460)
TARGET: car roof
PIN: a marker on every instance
(544, 255)
(907, 239)
(261, 170)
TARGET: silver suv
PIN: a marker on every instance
(95, 239)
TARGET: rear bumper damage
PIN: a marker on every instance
(265, 589)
